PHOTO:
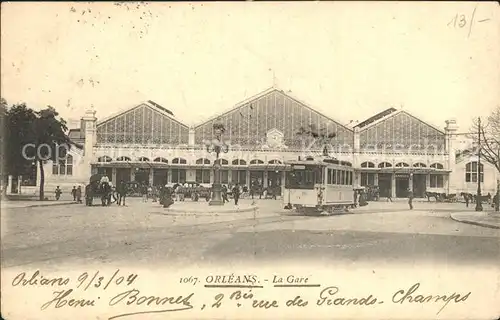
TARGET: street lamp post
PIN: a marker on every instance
(479, 206)
(218, 147)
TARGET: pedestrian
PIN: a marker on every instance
(236, 194)
(466, 196)
(355, 198)
(122, 192)
(79, 194)
(410, 198)
(144, 193)
(58, 192)
(73, 193)
(150, 192)
(224, 194)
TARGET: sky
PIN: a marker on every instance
(348, 60)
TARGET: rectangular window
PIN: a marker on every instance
(239, 176)
(178, 175)
(199, 174)
(467, 177)
(69, 169)
(474, 177)
(224, 176)
(329, 181)
(437, 181)
(55, 168)
(350, 178)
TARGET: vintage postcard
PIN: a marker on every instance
(250, 160)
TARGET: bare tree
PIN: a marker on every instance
(490, 143)
(490, 137)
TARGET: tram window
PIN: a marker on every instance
(329, 179)
(345, 177)
(318, 175)
(349, 182)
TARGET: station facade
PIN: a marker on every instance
(147, 144)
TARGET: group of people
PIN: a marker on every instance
(76, 192)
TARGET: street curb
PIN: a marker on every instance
(180, 212)
(480, 224)
(41, 205)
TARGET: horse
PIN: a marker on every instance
(105, 193)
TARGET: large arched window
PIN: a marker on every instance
(160, 159)
(384, 165)
(402, 165)
(256, 161)
(104, 159)
(471, 171)
(179, 161)
(239, 162)
(63, 167)
(143, 159)
(368, 164)
(202, 161)
(224, 162)
(437, 166)
(274, 162)
(123, 158)
(419, 165)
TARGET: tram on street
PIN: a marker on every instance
(319, 185)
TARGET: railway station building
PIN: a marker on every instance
(146, 143)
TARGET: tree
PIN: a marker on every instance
(490, 142)
(34, 137)
(52, 132)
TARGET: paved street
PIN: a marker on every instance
(141, 233)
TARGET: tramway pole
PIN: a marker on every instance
(218, 147)
(479, 206)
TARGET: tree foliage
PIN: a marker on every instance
(33, 137)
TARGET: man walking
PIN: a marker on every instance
(410, 198)
(236, 194)
(73, 193)
(466, 196)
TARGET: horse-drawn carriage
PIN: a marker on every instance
(194, 191)
(99, 188)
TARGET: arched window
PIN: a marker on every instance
(402, 164)
(224, 162)
(384, 165)
(471, 171)
(256, 161)
(123, 158)
(160, 159)
(419, 165)
(143, 159)
(239, 162)
(274, 162)
(202, 161)
(367, 165)
(437, 166)
(104, 159)
(63, 167)
(179, 161)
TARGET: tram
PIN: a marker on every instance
(319, 185)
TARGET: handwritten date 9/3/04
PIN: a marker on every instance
(98, 280)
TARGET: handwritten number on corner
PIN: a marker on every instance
(458, 21)
(218, 299)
